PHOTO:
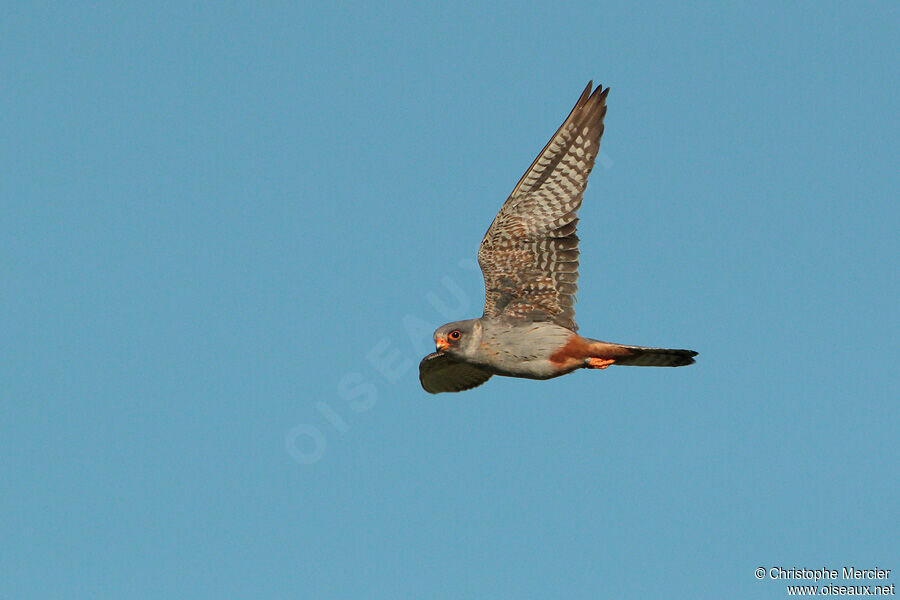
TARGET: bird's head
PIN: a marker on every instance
(458, 338)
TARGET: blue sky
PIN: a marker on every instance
(229, 230)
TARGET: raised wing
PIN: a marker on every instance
(529, 255)
(441, 373)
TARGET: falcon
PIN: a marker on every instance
(529, 259)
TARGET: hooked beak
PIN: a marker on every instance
(441, 344)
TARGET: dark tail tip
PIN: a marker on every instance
(658, 357)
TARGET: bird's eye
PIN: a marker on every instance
(454, 335)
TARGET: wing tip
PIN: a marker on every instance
(599, 92)
(591, 107)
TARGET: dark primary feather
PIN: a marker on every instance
(529, 255)
(439, 372)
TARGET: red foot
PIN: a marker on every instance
(599, 363)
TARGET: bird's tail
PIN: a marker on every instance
(639, 356)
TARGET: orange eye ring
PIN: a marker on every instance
(454, 335)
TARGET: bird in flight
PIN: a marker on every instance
(529, 259)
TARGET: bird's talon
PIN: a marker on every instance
(599, 363)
